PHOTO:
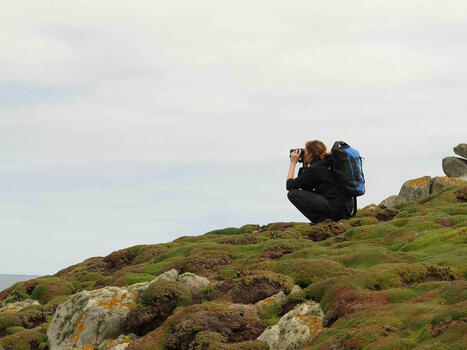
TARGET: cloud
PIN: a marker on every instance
(107, 86)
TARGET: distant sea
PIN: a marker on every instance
(8, 280)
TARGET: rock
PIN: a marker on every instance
(461, 150)
(415, 189)
(411, 190)
(120, 343)
(194, 282)
(170, 275)
(300, 325)
(18, 306)
(295, 289)
(273, 299)
(390, 202)
(88, 318)
(454, 166)
(439, 182)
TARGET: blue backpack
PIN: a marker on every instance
(347, 165)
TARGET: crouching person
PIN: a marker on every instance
(315, 191)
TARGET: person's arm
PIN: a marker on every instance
(294, 157)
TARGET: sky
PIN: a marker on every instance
(137, 122)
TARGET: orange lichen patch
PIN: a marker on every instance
(79, 329)
(88, 347)
(10, 310)
(313, 322)
(127, 340)
(446, 180)
(111, 303)
(110, 344)
(268, 301)
(421, 181)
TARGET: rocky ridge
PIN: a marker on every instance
(392, 277)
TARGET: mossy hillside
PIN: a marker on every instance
(384, 282)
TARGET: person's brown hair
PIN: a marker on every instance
(316, 150)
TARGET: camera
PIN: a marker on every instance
(302, 153)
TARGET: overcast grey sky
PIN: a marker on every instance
(136, 122)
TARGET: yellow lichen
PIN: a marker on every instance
(79, 329)
(88, 347)
(10, 310)
(313, 322)
(421, 181)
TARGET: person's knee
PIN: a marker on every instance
(292, 194)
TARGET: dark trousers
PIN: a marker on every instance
(314, 206)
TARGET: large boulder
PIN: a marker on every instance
(454, 166)
(461, 150)
(88, 318)
(411, 190)
(300, 325)
(439, 182)
(414, 189)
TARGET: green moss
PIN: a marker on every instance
(398, 295)
(454, 292)
(48, 288)
(22, 340)
(133, 278)
(7, 321)
(305, 272)
(14, 330)
(225, 231)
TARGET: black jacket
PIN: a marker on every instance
(319, 178)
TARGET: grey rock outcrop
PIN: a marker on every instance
(88, 318)
(300, 325)
(418, 188)
(461, 150)
(454, 166)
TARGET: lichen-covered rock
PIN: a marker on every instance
(18, 306)
(300, 325)
(414, 189)
(295, 289)
(273, 299)
(390, 201)
(439, 182)
(454, 166)
(88, 318)
(411, 190)
(461, 150)
(121, 343)
(193, 282)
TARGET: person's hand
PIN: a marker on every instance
(295, 156)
